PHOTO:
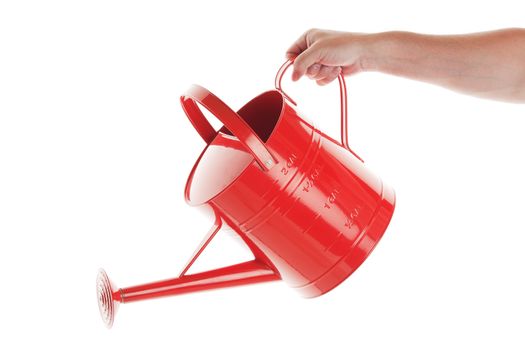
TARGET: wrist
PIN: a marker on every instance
(376, 49)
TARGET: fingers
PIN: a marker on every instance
(322, 74)
(297, 47)
(307, 53)
(313, 70)
(331, 76)
(304, 61)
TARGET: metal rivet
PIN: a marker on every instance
(269, 162)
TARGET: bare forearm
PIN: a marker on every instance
(489, 64)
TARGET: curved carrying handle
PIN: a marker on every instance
(342, 95)
(229, 118)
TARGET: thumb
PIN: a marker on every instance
(303, 61)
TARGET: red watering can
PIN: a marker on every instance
(304, 203)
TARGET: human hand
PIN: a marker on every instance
(487, 64)
(323, 54)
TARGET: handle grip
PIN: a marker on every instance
(229, 118)
(342, 95)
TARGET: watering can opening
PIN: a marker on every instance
(224, 159)
(262, 114)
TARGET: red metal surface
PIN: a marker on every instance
(316, 215)
(305, 204)
(245, 273)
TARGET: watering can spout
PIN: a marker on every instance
(235, 275)
(239, 274)
(255, 271)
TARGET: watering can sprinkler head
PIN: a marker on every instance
(108, 299)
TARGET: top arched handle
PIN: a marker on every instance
(231, 120)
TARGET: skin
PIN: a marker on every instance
(488, 64)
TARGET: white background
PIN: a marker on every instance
(95, 151)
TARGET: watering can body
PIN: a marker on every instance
(313, 216)
(304, 203)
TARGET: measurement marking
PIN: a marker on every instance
(310, 180)
(350, 218)
(331, 198)
(289, 164)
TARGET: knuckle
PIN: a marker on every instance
(310, 35)
(311, 31)
(324, 72)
